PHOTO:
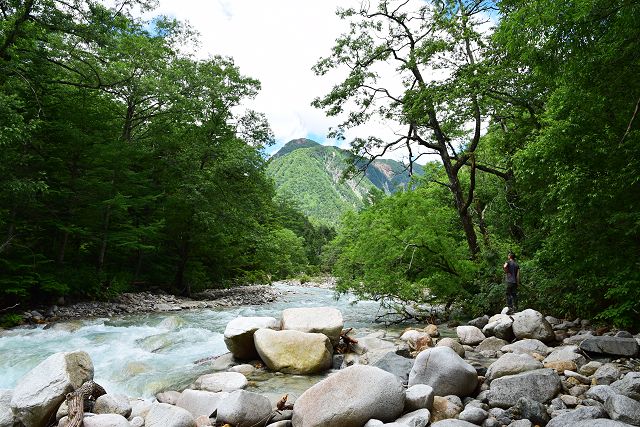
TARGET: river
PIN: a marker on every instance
(140, 355)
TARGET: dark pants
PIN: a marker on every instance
(512, 296)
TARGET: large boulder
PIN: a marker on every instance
(221, 381)
(511, 364)
(469, 335)
(577, 415)
(452, 344)
(165, 415)
(323, 320)
(499, 326)
(445, 371)
(528, 346)
(396, 364)
(629, 385)
(491, 344)
(419, 396)
(6, 414)
(244, 409)
(113, 404)
(599, 422)
(349, 398)
(199, 402)
(532, 324)
(41, 390)
(417, 340)
(623, 408)
(540, 385)
(615, 346)
(294, 352)
(566, 353)
(238, 335)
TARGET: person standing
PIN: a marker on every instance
(512, 279)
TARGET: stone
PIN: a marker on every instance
(221, 381)
(511, 364)
(113, 404)
(244, 369)
(473, 415)
(238, 335)
(577, 415)
(499, 326)
(165, 415)
(607, 374)
(284, 423)
(598, 422)
(528, 346)
(6, 415)
(204, 421)
(492, 344)
(531, 410)
(137, 422)
(38, 394)
(561, 366)
(444, 408)
(540, 385)
(452, 344)
(140, 407)
(199, 402)
(417, 340)
(570, 401)
(629, 385)
(323, 320)
(566, 353)
(349, 398)
(479, 322)
(170, 397)
(417, 418)
(432, 330)
(469, 335)
(590, 368)
(374, 423)
(396, 364)
(615, 346)
(624, 409)
(445, 371)
(581, 378)
(520, 423)
(419, 396)
(294, 352)
(106, 420)
(453, 423)
(243, 408)
(532, 324)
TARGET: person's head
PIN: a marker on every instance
(511, 255)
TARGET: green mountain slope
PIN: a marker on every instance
(311, 175)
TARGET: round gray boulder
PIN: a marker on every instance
(623, 408)
(469, 335)
(540, 385)
(532, 324)
(350, 398)
(244, 409)
(165, 415)
(113, 404)
(511, 364)
(445, 371)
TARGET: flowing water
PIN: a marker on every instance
(141, 355)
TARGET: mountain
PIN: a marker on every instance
(311, 175)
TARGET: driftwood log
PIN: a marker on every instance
(75, 401)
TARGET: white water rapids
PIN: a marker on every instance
(140, 355)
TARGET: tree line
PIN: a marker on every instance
(124, 164)
(531, 110)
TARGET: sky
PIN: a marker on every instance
(277, 42)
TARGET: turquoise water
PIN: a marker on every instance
(140, 355)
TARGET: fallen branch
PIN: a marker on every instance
(75, 401)
(9, 308)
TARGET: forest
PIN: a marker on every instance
(125, 165)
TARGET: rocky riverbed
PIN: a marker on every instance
(519, 371)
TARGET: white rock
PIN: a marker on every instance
(323, 320)
(419, 396)
(532, 324)
(511, 364)
(6, 415)
(106, 420)
(528, 346)
(38, 394)
(350, 397)
(238, 335)
(417, 418)
(244, 409)
(165, 415)
(445, 371)
(199, 402)
(469, 335)
(221, 381)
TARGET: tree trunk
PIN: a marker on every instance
(105, 235)
(63, 247)
(75, 401)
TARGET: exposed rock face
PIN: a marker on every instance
(349, 398)
(511, 364)
(294, 352)
(244, 409)
(532, 324)
(238, 335)
(540, 385)
(165, 415)
(38, 394)
(445, 371)
(324, 320)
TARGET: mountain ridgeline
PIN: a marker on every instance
(313, 177)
